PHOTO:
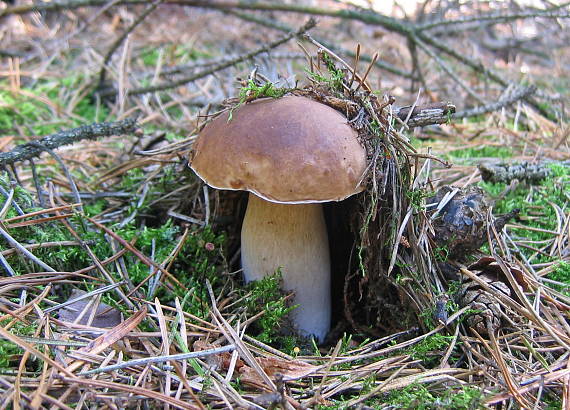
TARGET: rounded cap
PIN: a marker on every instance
(286, 150)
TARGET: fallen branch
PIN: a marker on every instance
(204, 63)
(524, 171)
(413, 32)
(447, 68)
(522, 93)
(422, 115)
(557, 11)
(273, 24)
(263, 49)
(93, 131)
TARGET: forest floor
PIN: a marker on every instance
(115, 256)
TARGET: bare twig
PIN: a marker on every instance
(406, 29)
(447, 69)
(70, 179)
(334, 47)
(84, 296)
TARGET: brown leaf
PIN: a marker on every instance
(110, 337)
(220, 360)
(105, 315)
(489, 265)
(288, 369)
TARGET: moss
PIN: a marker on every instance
(485, 151)
(430, 349)
(253, 91)
(265, 294)
(537, 210)
(561, 274)
(200, 258)
(37, 109)
(417, 396)
(530, 200)
(334, 76)
(149, 56)
(11, 354)
(417, 197)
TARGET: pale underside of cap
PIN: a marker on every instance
(286, 150)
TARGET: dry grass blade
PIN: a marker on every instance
(29, 348)
(159, 397)
(234, 338)
(544, 380)
(84, 296)
(160, 359)
(14, 243)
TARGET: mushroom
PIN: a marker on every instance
(291, 154)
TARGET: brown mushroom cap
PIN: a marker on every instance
(286, 150)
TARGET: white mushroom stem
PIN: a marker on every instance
(293, 238)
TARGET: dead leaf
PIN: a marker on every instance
(490, 266)
(288, 369)
(110, 337)
(105, 315)
(219, 361)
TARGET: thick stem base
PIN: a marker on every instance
(293, 238)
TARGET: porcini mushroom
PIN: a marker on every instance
(291, 154)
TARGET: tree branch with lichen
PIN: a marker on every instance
(428, 114)
(91, 132)
(519, 94)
